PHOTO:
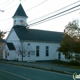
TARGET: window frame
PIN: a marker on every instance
(37, 51)
(47, 51)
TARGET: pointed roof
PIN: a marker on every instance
(11, 46)
(38, 35)
(20, 11)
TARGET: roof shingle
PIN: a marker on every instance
(37, 35)
(10, 46)
(20, 12)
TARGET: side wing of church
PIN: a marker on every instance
(24, 44)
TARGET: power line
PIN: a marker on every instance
(48, 18)
(7, 4)
(10, 8)
(27, 10)
(5, 19)
(55, 14)
(36, 5)
(4, 2)
(55, 11)
(55, 17)
(52, 18)
(14, 6)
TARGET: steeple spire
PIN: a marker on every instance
(20, 16)
(20, 12)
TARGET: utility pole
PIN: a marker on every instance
(1, 10)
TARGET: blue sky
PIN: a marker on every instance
(35, 9)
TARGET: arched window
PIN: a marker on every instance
(15, 22)
(21, 22)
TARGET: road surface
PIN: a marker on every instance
(12, 72)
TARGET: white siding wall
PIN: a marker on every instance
(12, 36)
(42, 56)
(4, 50)
(12, 55)
(53, 54)
(18, 19)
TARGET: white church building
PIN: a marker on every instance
(27, 44)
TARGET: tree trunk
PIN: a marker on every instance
(22, 56)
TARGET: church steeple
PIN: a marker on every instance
(20, 16)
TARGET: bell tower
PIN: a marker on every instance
(20, 17)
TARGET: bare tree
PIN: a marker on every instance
(22, 50)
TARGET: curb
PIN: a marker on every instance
(47, 69)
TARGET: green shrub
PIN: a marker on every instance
(75, 63)
(60, 62)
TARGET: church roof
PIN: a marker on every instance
(38, 35)
(20, 12)
(10, 46)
